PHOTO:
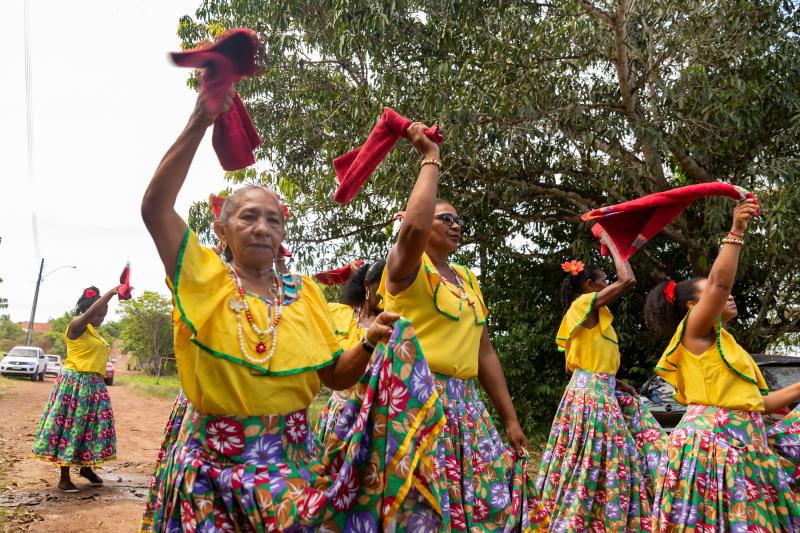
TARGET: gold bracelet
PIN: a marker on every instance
(732, 240)
(431, 162)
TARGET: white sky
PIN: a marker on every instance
(106, 105)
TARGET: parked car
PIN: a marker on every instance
(27, 361)
(53, 366)
(109, 379)
(658, 395)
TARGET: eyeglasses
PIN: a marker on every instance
(448, 219)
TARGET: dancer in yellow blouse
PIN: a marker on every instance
(482, 483)
(351, 318)
(717, 471)
(252, 346)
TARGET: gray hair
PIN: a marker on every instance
(232, 201)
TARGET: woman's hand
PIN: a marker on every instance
(626, 388)
(420, 141)
(203, 116)
(381, 328)
(605, 240)
(516, 438)
(743, 214)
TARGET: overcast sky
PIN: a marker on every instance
(106, 106)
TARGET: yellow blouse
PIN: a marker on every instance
(595, 349)
(87, 353)
(723, 376)
(348, 330)
(215, 375)
(448, 326)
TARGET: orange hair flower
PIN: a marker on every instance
(573, 267)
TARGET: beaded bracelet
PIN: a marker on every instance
(431, 162)
(732, 240)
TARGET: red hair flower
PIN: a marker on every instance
(90, 293)
(573, 267)
(216, 204)
(669, 292)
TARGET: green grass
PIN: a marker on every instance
(167, 387)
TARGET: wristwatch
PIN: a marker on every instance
(367, 346)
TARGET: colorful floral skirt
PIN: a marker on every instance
(329, 415)
(77, 424)
(718, 474)
(593, 474)
(171, 431)
(265, 473)
(784, 439)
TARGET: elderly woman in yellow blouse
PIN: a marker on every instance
(352, 317)
(717, 471)
(252, 347)
(592, 475)
(482, 486)
(77, 424)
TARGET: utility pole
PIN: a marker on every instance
(33, 309)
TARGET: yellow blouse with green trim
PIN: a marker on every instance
(448, 328)
(214, 373)
(87, 353)
(348, 330)
(594, 349)
(723, 376)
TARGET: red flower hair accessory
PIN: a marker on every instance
(669, 292)
(216, 204)
(573, 267)
(90, 293)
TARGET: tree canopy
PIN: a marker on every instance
(146, 329)
(549, 110)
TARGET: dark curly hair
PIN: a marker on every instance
(84, 302)
(571, 286)
(663, 317)
(353, 292)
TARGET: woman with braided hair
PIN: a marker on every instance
(77, 425)
(594, 468)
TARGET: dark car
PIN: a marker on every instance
(779, 372)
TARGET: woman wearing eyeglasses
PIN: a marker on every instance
(482, 483)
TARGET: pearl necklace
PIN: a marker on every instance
(239, 305)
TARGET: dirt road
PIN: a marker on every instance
(29, 498)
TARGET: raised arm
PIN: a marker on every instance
(403, 260)
(625, 278)
(77, 326)
(784, 397)
(158, 205)
(720, 280)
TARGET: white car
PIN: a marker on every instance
(54, 365)
(28, 361)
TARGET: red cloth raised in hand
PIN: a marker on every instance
(631, 224)
(124, 290)
(225, 62)
(337, 276)
(354, 168)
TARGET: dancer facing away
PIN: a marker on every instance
(360, 305)
(592, 475)
(481, 483)
(252, 346)
(717, 471)
(77, 424)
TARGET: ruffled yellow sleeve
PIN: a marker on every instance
(347, 328)
(575, 316)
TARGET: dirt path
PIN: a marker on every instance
(28, 493)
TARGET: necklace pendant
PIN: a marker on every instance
(235, 305)
(261, 347)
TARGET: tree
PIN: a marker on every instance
(10, 333)
(549, 110)
(146, 329)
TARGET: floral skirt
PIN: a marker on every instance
(265, 473)
(481, 484)
(594, 472)
(718, 474)
(784, 439)
(77, 424)
(329, 415)
(171, 431)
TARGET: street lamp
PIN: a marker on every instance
(29, 335)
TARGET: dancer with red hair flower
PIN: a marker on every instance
(77, 424)
(593, 473)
